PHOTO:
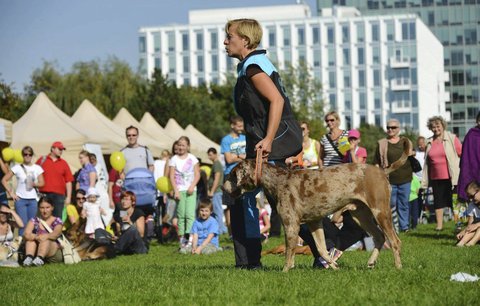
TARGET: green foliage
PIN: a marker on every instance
(370, 135)
(305, 94)
(165, 277)
(12, 104)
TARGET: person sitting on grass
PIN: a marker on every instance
(204, 232)
(263, 217)
(471, 234)
(130, 222)
(41, 245)
(74, 210)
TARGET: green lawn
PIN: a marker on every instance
(165, 277)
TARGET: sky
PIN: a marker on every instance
(66, 32)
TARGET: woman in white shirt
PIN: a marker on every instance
(29, 177)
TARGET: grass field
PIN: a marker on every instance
(164, 277)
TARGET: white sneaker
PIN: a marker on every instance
(28, 262)
(38, 262)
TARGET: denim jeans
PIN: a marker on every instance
(26, 210)
(218, 212)
(399, 202)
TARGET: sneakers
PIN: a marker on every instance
(38, 262)
(320, 263)
(335, 254)
(28, 261)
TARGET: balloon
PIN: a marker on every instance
(117, 160)
(343, 145)
(207, 170)
(164, 184)
(7, 154)
(17, 156)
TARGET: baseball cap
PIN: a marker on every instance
(354, 134)
(58, 145)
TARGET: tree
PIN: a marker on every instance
(305, 94)
(12, 104)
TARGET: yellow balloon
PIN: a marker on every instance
(207, 170)
(343, 145)
(164, 184)
(7, 154)
(17, 156)
(117, 160)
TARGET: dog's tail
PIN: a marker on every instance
(407, 149)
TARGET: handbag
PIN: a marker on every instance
(70, 254)
(416, 167)
(102, 236)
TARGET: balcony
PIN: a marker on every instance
(396, 62)
(395, 85)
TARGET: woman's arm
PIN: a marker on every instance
(17, 221)
(196, 178)
(28, 233)
(9, 191)
(176, 193)
(216, 181)
(92, 177)
(265, 86)
(110, 194)
(40, 181)
(140, 224)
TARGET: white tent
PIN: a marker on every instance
(124, 119)
(173, 129)
(104, 132)
(43, 124)
(5, 130)
(196, 148)
(149, 124)
(201, 139)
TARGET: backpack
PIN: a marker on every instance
(141, 182)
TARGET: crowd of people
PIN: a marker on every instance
(198, 212)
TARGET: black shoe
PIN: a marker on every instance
(255, 267)
(320, 263)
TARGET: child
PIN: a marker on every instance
(356, 154)
(471, 234)
(204, 232)
(414, 207)
(263, 217)
(184, 175)
(92, 211)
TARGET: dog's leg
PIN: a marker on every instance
(386, 224)
(364, 218)
(316, 228)
(291, 238)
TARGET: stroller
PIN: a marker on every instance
(165, 232)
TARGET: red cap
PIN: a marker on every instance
(354, 134)
(58, 145)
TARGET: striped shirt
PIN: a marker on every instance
(331, 156)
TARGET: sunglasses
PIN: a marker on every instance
(27, 154)
(303, 128)
(81, 199)
(329, 120)
(131, 135)
(472, 197)
(392, 127)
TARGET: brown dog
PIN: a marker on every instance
(87, 248)
(306, 196)
(280, 249)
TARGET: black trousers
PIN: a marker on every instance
(130, 242)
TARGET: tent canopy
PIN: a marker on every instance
(196, 148)
(124, 119)
(104, 132)
(201, 139)
(149, 124)
(43, 124)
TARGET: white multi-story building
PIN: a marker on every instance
(371, 68)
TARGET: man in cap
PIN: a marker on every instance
(58, 178)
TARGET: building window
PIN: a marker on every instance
(330, 35)
(158, 63)
(332, 98)
(301, 36)
(331, 57)
(376, 77)
(470, 36)
(361, 56)
(186, 82)
(414, 98)
(214, 62)
(316, 35)
(141, 44)
(200, 63)
(375, 32)
(361, 78)
(376, 55)
(287, 57)
(185, 42)
(213, 40)
(156, 42)
(360, 32)
(346, 79)
(390, 31)
(332, 79)
(348, 101)
(171, 41)
(378, 121)
(346, 56)
(457, 58)
(302, 56)
(199, 41)
(186, 64)
(413, 76)
(377, 100)
(408, 31)
(402, 76)
(362, 101)
(171, 63)
(430, 19)
(142, 66)
(345, 34)
(316, 58)
(286, 36)
(272, 37)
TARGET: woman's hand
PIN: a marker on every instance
(177, 195)
(461, 234)
(265, 145)
(190, 190)
(42, 237)
(5, 209)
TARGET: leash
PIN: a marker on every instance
(258, 167)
